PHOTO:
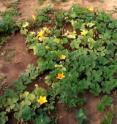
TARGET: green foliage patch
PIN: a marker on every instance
(77, 51)
(7, 22)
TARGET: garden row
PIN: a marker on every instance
(77, 53)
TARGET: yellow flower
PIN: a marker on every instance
(33, 17)
(60, 76)
(62, 57)
(91, 9)
(42, 100)
(40, 35)
(84, 32)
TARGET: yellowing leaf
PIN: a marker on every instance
(62, 57)
(71, 35)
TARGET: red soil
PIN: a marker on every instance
(14, 58)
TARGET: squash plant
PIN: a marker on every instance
(77, 53)
(7, 22)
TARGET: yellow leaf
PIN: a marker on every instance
(62, 57)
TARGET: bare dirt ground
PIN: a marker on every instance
(114, 96)
(94, 117)
(4, 4)
(14, 57)
(65, 116)
(27, 7)
(2, 7)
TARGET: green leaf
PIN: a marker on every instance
(81, 116)
(3, 118)
(108, 118)
(27, 113)
(105, 102)
(42, 119)
(75, 43)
